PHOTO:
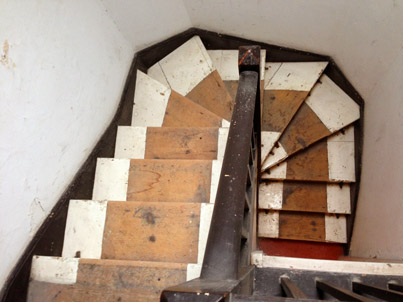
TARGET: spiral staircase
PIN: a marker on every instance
(146, 227)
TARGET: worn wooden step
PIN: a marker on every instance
(170, 143)
(330, 160)
(78, 280)
(143, 231)
(305, 197)
(189, 71)
(286, 87)
(327, 110)
(156, 180)
(302, 226)
(226, 63)
(157, 105)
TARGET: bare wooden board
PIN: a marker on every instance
(279, 106)
(182, 112)
(109, 280)
(302, 226)
(211, 93)
(329, 160)
(169, 180)
(305, 197)
(152, 231)
(327, 110)
(181, 143)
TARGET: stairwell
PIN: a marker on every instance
(146, 227)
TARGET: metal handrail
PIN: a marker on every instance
(224, 270)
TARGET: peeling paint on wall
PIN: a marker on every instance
(4, 59)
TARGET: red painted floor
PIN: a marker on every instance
(301, 249)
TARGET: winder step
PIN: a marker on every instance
(170, 143)
(286, 86)
(330, 160)
(157, 105)
(327, 110)
(143, 231)
(56, 279)
(226, 63)
(302, 226)
(162, 180)
(189, 71)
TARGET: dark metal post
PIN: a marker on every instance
(223, 245)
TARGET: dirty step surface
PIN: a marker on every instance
(327, 110)
(169, 143)
(302, 226)
(189, 71)
(75, 280)
(157, 105)
(329, 160)
(147, 231)
(286, 86)
(305, 197)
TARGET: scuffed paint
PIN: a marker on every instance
(36, 214)
(5, 59)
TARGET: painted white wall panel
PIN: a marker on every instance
(145, 22)
(62, 74)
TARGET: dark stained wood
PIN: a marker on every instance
(212, 94)
(302, 226)
(306, 197)
(304, 130)
(160, 180)
(181, 143)
(291, 289)
(152, 231)
(279, 106)
(340, 293)
(378, 292)
(395, 286)
(310, 164)
(182, 112)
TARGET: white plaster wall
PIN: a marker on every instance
(61, 79)
(379, 224)
(145, 22)
(365, 37)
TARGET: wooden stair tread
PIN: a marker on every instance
(327, 110)
(103, 280)
(212, 94)
(182, 143)
(169, 180)
(302, 226)
(190, 71)
(286, 86)
(329, 160)
(157, 105)
(164, 180)
(305, 197)
(170, 142)
(147, 231)
(182, 112)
